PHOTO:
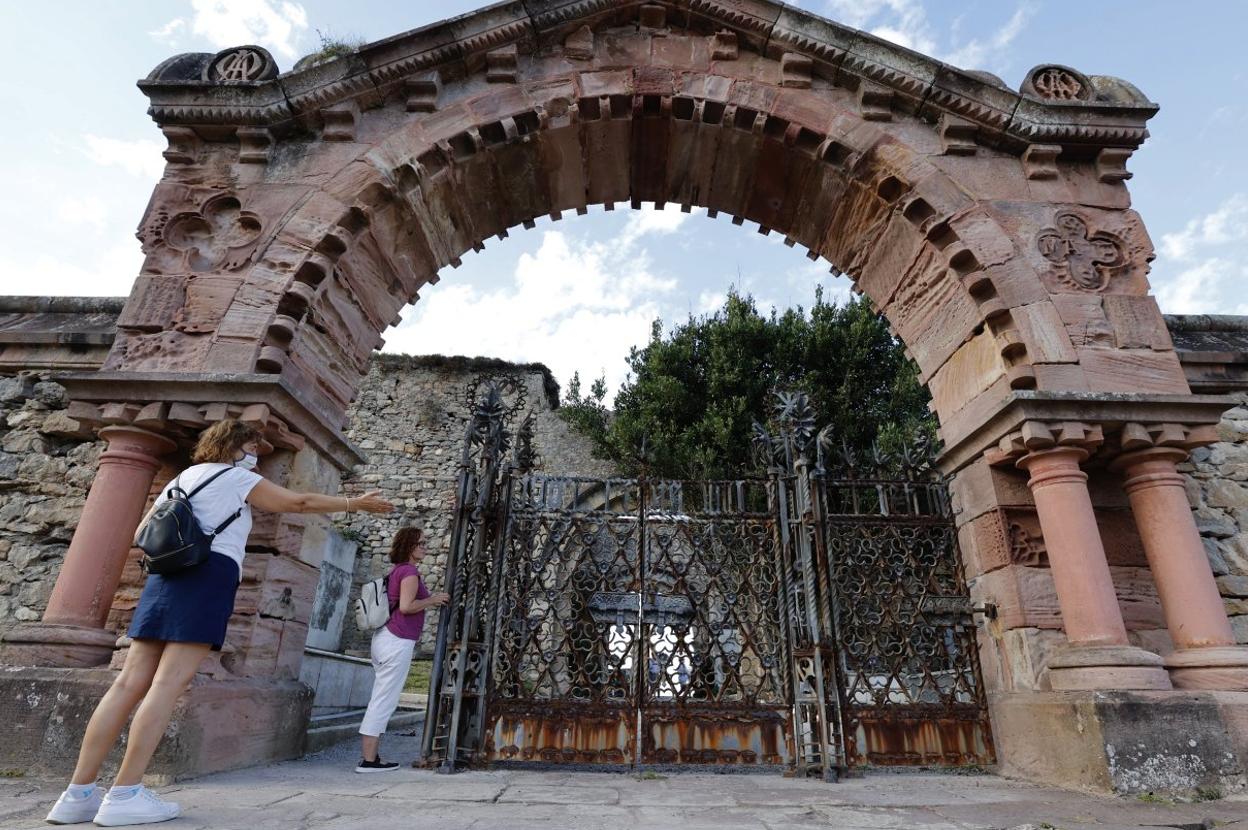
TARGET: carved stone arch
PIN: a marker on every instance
(298, 215)
(934, 220)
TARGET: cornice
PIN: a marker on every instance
(1109, 113)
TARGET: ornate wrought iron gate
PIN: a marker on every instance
(815, 618)
(638, 622)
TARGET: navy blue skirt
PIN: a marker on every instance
(191, 606)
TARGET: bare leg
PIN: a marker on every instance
(114, 709)
(177, 667)
(369, 746)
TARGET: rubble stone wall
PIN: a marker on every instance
(45, 471)
(1217, 487)
(409, 418)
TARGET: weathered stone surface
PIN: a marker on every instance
(1122, 742)
(1025, 597)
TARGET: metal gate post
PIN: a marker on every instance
(472, 568)
(642, 662)
(831, 759)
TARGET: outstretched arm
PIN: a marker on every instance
(271, 498)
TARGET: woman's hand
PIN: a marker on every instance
(434, 600)
(371, 502)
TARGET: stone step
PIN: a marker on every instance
(325, 731)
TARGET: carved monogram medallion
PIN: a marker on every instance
(1083, 260)
(241, 64)
(1057, 83)
(216, 237)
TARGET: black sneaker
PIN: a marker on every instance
(376, 766)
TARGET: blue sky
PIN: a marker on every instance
(80, 157)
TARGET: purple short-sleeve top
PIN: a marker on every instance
(407, 626)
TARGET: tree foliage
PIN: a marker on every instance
(693, 393)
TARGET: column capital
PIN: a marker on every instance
(1038, 436)
(1054, 465)
(137, 443)
(181, 405)
(1150, 467)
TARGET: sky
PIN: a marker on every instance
(81, 156)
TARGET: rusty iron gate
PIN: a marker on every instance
(815, 618)
(639, 623)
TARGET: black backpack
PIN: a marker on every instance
(172, 539)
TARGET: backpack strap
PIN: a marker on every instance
(204, 484)
(385, 583)
(227, 522)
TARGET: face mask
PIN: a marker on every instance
(247, 462)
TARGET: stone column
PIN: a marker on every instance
(1098, 654)
(1205, 655)
(72, 631)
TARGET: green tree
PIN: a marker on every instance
(693, 393)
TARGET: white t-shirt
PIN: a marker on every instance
(217, 502)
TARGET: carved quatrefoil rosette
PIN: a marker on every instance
(219, 236)
(1082, 260)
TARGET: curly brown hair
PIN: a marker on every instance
(219, 443)
(405, 541)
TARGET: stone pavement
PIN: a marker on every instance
(322, 792)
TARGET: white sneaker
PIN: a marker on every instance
(144, 807)
(70, 810)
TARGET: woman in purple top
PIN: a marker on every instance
(395, 641)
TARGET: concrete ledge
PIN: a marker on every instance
(328, 730)
(1164, 742)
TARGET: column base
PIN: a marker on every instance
(1215, 667)
(1176, 743)
(51, 644)
(217, 725)
(1106, 667)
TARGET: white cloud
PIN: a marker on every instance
(170, 32)
(976, 53)
(269, 23)
(905, 23)
(1229, 223)
(1203, 268)
(84, 211)
(649, 219)
(139, 158)
(110, 272)
(710, 301)
(1202, 289)
(573, 305)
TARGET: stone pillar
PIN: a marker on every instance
(72, 631)
(1098, 654)
(1205, 655)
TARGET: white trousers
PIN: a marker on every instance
(392, 658)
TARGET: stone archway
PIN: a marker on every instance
(299, 213)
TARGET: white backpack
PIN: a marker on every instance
(373, 608)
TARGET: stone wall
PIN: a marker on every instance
(46, 467)
(1218, 489)
(409, 418)
(45, 471)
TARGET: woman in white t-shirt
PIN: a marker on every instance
(179, 619)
